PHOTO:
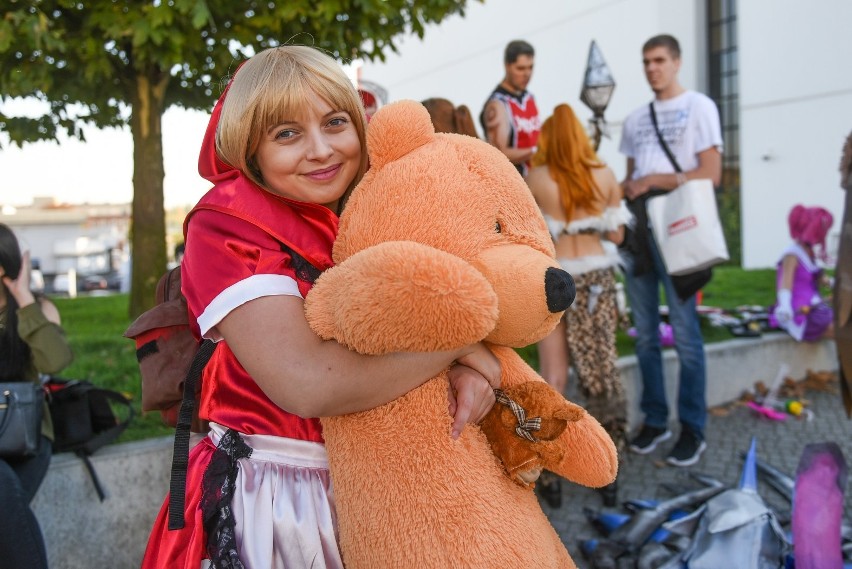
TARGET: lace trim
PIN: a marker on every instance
(611, 219)
(217, 491)
(589, 263)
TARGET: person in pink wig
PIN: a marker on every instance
(799, 308)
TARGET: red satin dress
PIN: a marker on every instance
(242, 243)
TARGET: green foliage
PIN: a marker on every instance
(86, 60)
(94, 327)
(729, 214)
(730, 288)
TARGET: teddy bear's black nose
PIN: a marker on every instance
(559, 289)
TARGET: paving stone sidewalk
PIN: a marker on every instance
(778, 443)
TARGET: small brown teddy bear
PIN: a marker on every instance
(441, 245)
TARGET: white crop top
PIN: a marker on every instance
(610, 220)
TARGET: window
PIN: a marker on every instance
(724, 90)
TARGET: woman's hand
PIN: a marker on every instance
(470, 397)
(784, 307)
(471, 391)
(479, 358)
(19, 287)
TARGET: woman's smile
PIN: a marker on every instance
(312, 156)
(324, 173)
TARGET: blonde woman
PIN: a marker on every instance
(284, 147)
(582, 203)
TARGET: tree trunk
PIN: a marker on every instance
(148, 221)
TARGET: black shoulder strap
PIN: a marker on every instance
(662, 140)
(685, 285)
(92, 474)
(180, 455)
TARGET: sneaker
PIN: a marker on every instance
(687, 450)
(648, 439)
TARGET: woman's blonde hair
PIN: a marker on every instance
(564, 147)
(273, 86)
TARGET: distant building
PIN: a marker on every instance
(774, 67)
(88, 239)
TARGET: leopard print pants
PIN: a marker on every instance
(591, 323)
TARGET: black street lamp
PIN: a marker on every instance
(598, 86)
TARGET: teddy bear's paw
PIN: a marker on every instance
(402, 296)
(586, 438)
(542, 404)
(523, 426)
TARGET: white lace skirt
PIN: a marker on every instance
(284, 505)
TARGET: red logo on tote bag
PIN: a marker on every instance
(682, 225)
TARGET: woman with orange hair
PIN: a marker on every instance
(582, 203)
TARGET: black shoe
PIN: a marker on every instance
(687, 450)
(549, 488)
(648, 439)
(609, 494)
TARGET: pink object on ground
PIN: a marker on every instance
(767, 412)
(818, 507)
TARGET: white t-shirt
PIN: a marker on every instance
(689, 124)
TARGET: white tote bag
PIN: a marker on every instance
(686, 226)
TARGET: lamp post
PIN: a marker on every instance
(598, 86)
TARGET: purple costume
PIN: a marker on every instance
(811, 315)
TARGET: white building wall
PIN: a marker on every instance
(462, 58)
(795, 88)
(68, 236)
(795, 113)
(41, 239)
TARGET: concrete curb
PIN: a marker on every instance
(79, 530)
(733, 367)
(82, 532)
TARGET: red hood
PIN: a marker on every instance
(209, 165)
(308, 228)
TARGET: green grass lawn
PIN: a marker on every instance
(95, 325)
(731, 287)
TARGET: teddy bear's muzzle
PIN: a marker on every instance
(559, 289)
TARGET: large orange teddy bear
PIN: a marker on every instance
(441, 245)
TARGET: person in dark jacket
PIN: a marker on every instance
(32, 342)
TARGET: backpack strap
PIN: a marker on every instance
(92, 474)
(108, 435)
(180, 455)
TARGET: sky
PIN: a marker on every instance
(100, 170)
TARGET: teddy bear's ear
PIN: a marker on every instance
(397, 129)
